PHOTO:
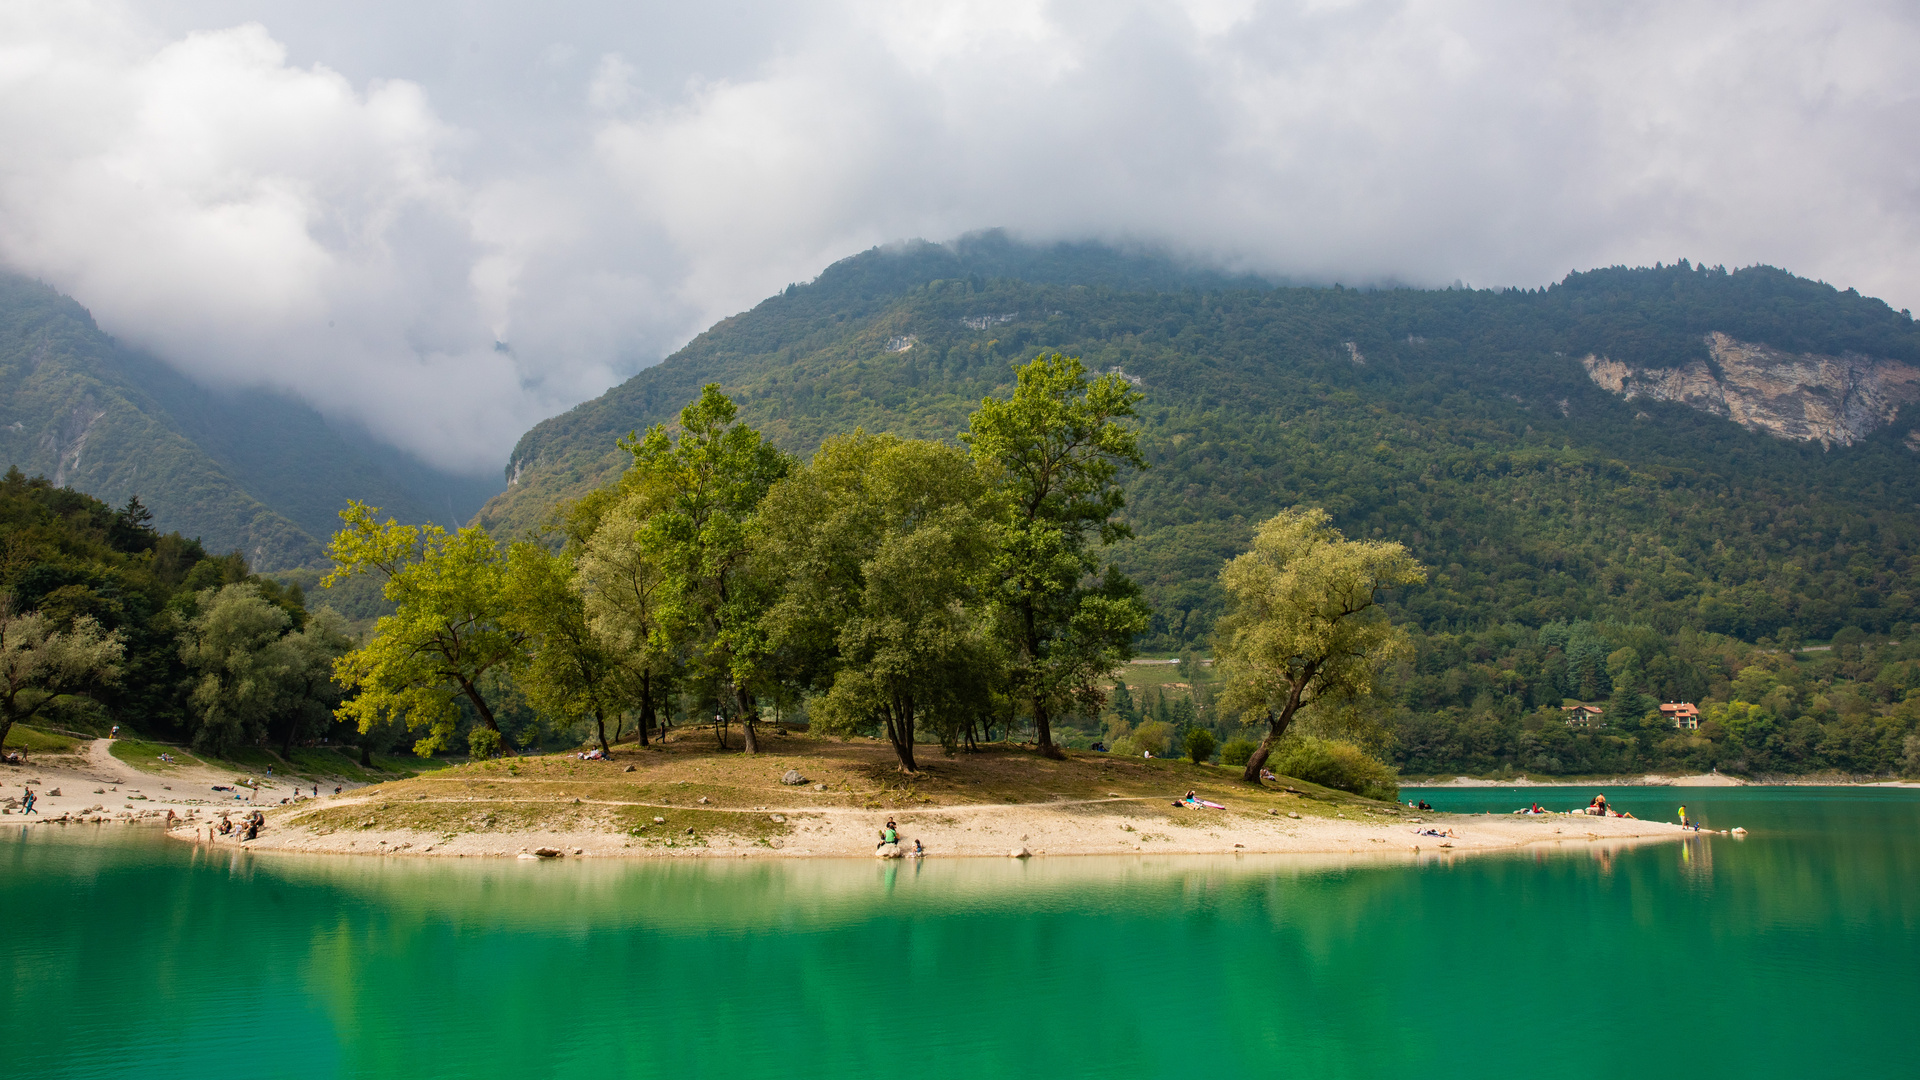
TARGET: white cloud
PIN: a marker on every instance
(356, 202)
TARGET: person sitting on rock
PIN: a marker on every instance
(888, 835)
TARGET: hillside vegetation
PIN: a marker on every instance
(247, 471)
(1582, 547)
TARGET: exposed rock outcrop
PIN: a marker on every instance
(1805, 396)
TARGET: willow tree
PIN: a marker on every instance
(1306, 625)
(879, 543)
(39, 662)
(448, 636)
(706, 485)
(1056, 449)
(623, 597)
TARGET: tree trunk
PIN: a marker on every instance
(486, 715)
(1276, 727)
(646, 706)
(1043, 732)
(366, 756)
(752, 739)
(899, 724)
(6, 728)
(720, 729)
(600, 724)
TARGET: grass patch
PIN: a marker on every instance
(32, 741)
(693, 784)
(145, 756)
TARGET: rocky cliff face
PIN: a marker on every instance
(1805, 396)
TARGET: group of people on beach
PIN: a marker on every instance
(249, 827)
(890, 834)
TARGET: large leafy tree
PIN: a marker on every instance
(1056, 448)
(1306, 626)
(706, 485)
(570, 673)
(262, 669)
(448, 636)
(622, 591)
(39, 663)
(881, 542)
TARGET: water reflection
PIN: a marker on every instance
(1234, 965)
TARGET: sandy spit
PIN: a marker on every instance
(1101, 827)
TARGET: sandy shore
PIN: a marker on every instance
(97, 787)
(1102, 827)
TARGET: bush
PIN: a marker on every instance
(1335, 764)
(483, 743)
(1238, 751)
(1200, 743)
(1153, 735)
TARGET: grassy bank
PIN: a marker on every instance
(690, 790)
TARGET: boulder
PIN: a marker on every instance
(55, 793)
(528, 855)
(887, 851)
(659, 821)
(1292, 814)
(793, 777)
(627, 769)
(779, 820)
(547, 852)
(1019, 853)
(819, 787)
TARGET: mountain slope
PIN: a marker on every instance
(248, 471)
(1460, 422)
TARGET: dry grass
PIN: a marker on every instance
(693, 784)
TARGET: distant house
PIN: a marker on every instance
(1583, 715)
(1684, 714)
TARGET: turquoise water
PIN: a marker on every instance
(1795, 952)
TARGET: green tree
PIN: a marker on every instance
(256, 675)
(570, 672)
(39, 663)
(447, 636)
(1121, 701)
(882, 539)
(1056, 448)
(1306, 626)
(623, 591)
(710, 480)
(1199, 743)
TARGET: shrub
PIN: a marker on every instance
(1153, 735)
(1238, 751)
(1200, 743)
(483, 743)
(1335, 764)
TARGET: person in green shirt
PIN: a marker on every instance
(889, 835)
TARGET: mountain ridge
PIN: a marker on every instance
(1411, 414)
(245, 470)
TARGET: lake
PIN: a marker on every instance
(1792, 953)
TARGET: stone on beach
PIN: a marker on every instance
(793, 777)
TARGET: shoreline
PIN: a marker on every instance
(688, 802)
(1107, 828)
(1696, 780)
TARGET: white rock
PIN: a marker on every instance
(1019, 853)
(887, 851)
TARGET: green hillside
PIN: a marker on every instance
(1457, 421)
(249, 471)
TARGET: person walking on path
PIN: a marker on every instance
(30, 800)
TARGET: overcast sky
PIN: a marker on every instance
(356, 201)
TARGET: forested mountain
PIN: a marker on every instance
(249, 471)
(1460, 422)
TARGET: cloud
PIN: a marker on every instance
(356, 203)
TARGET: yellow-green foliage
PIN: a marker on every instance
(1335, 764)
